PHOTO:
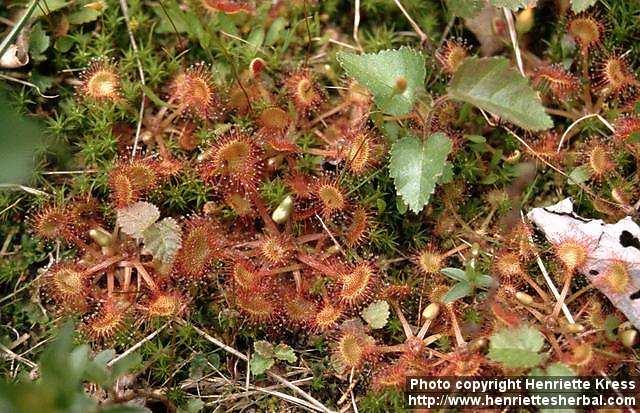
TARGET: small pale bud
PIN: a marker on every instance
(619, 196)
(108, 251)
(283, 211)
(524, 298)
(478, 344)
(330, 73)
(210, 208)
(575, 328)
(101, 236)
(96, 5)
(431, 311)
(147, 137)
(274, 162)
(628, 338)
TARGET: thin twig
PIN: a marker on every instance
(24, 82)
(10, 354)
(289, 398)
(514, 39)
(26, 189)
(243, 357)
(549, 281)
(424, 39)
(335, 241)
(79, 172)
(11, 206)
(446, 31)
(356, 24)
(577, 121)
(138, 345)
(17, 27)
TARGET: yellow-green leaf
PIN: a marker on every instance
(394, 77)
(493, 85)
(417, 165)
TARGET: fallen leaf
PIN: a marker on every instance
(606, 243)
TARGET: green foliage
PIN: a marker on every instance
(416, 166)
(266, 355)
(285, 353)
(579, 175)
(38, 43)
(493, 85)
(581, 5)
(63, 369)
(85, 138)
(394, 77)
(517, 348)
(162, 240)
(19, 140)
(259, 364)
(465, 8)
(512, 4)
(376, 314)
(467, 281)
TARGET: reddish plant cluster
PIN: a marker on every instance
(296, 261)
(110, 284)
(286, 265)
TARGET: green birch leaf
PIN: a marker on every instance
(578, 6)
(84, 15)
(162, 240)
(383, 72)
(493, 85)
(417, 165)
(513, 4)
(264, 348)
(579, 175)
(517, 348)
(38, 42)
(465, 8)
